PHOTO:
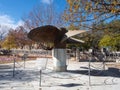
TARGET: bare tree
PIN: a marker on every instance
(2, 33)
(21, 38)
(43, 15)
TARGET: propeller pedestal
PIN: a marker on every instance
(59, 57)
(51, 37)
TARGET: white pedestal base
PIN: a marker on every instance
(59, 60)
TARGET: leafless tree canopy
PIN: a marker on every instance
(43, 15)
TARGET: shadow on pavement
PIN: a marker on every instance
(71, 85)
(20, 75)
(113, 72)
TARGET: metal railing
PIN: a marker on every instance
(33, 52)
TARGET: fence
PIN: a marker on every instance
(33, 52)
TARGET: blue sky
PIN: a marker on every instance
(11, 11)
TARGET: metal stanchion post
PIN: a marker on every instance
(105, 58)
(42, 66)
(24, 58)
(46, 58)
(14, 67)
(40, 77)
(103, 65)
(24, 63)
(89, 72)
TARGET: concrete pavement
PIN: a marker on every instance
(76, 78)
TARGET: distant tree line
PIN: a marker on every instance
(100, 17)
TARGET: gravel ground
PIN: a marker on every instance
(75, 78)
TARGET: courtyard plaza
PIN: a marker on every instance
(75, 78)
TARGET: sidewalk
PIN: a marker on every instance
(76, 78)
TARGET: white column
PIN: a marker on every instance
(59, 59)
